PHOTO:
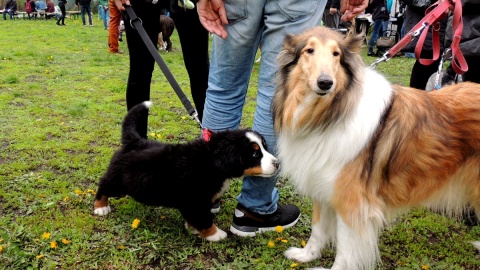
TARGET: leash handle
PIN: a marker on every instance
(136, 23)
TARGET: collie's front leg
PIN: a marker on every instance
(323, 231)
(357, 248)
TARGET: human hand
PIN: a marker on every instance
(352, 8)
(333, 11)
(119, 4)
(213, 16)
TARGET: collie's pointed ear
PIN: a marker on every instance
(354, 43)
(287, 55)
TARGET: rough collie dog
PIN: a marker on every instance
(364, 149)
(188, 176)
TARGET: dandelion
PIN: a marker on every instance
(45, 235)
(65, 241)
(293, 265)
(40, 256)
(304, 243)
(65, 199)
(279, 229)
(121, 247)
(135, 223)
(91, 191)
(284, 240)
(159, 136)
(425, 267)
(78, 192)
(184, 117)
(53, 245)
(271, 244)
(1, 248)
(152, 134)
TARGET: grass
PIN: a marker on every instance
(62, 100)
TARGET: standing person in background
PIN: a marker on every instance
(85, 8)
(469, 42)
(104, 12)
(414, 12)
(10, 8)
(250, 24)
(331, 14)
(61, 5)
(380, 14)
(113, 25)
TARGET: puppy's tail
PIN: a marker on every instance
(130, 131)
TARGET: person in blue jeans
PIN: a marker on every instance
(104, 12)
(85, 8)
(380, 16)
(251, 24)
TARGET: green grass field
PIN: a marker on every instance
(62, 100)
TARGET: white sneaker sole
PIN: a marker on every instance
(259, 230)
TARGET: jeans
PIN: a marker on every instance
(379, 26)
(253, 23)
(9, 11)
(86, 9)
(105, 15)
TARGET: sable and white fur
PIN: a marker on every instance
(365, 150)
(188, 177)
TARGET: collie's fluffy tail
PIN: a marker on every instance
(130, 132)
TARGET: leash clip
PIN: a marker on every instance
(384, 58)
(134, 20)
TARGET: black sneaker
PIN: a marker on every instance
(246, 223)
(215, 207)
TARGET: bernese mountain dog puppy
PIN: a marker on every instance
(188, 177)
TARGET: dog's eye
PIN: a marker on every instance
(256, 154)
(310, 50)
(336, 53)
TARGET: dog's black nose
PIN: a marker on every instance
(324, 82)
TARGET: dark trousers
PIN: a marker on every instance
(194, 40)
(421, 73)
(61, 5)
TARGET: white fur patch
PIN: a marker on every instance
(219, 235)
(102, 211)
(268, 162)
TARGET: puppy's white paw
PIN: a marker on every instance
(102, 211)
(191, 229)
(219, 235)
(301, 254)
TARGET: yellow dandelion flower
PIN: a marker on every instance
(304, 243)
(62, 123)
(1, 248)
(65, 241)
(279, 229)
(152, 134)
(41, 196)
(121, 247)
(425, 267)
(40, 256)
(53, 245)
(271, 244)
(293, 265)
(65, 199)
(135, 223)
(284, 240)
(159, 136)
(184, 117)
(91, 191)
(78, 191)
(45, 235)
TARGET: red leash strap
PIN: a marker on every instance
(459, 64)
(206, 134)
(434, 15)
